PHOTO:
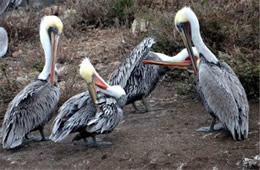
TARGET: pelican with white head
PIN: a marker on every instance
(88, 72)
(50, 29)
(180, 61)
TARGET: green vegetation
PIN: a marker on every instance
(246, 71)
(123, 10)
(37, 66)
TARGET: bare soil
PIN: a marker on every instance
(164, 138)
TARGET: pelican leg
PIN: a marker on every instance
(27, 5)
(82, 135)
(78, 137)
(218, 126)
(32, 138)
(85, 140)
(208, 129)
(42, 135)
(135, 107)
(146, 106)
(37, 138)
(97, 142)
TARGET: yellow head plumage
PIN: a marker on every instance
(186, 15)
(180, 16)
(87, 70)
(51, 21)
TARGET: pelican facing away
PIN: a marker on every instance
(221, 92)
(145, 77)
(143, 80)
(81, 114)
(32, 108)
(3, 41)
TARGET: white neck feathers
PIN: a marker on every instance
(181, 56)
(197, 40)
(114, 91)
(46, 44)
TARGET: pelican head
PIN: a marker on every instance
(180, 61)
(187, 24)
(50, 30)
(186, 15)
(184, 20)
(88, 72)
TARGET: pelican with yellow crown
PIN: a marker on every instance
(222, 94)
(32, 108)
(94, 112)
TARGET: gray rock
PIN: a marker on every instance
(139, 25)
(252, 163)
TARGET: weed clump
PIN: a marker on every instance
(123, 10)
(247, 72)
(100, 13)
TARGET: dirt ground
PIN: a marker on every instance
(164, 138)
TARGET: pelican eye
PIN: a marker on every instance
(180, 27)
(54, 30)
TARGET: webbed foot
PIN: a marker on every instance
(97, 142)
(216, 127)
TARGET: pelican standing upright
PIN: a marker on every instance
(222, 94)
(32, 108)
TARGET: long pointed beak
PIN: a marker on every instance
(180, 65)
(54, 46)
(100, 83)
(92, 91)
(187, 42)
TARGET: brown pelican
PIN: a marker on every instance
(32, 108)
(3, 41)
(79, 113)
(143, 80)
(221, 92)
(145, 77)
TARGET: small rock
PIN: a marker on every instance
(22, 79)
(13, 162)
(62, 85)
(180, 167)
(204, 136)
(61, 69)
(16, 53)
(252, 163)
(139, 25)
(214, 168)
